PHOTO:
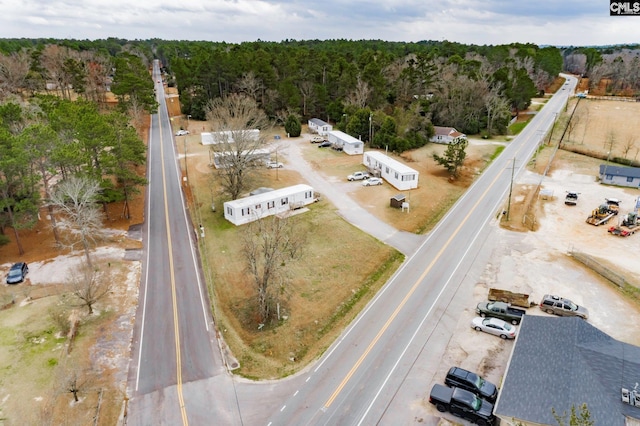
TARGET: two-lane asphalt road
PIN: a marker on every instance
(176, 362)
(358, 377)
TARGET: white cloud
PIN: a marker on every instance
(569, 22)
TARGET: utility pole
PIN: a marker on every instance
(370, 126)
(513, 168)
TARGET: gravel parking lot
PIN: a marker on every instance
(538, 263)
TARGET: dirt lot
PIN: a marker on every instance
(538, 262)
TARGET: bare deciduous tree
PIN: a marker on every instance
(250, 85)
(234, 120)
(360, 94)
(89, 285)
(268, 244)
(14, 69)
(75, 200)
(629, 144)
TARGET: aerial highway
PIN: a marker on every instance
(177, 374)
(176, 360)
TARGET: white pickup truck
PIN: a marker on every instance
(358, 176)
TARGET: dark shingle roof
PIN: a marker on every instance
(620, 171)
(560, 362)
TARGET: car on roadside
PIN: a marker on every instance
(274, 165)
(324, 144)
(182, 132)
(372, 181)
(460, 378)
(557, 305)
(358, 176)
(17, 273)
(494, 326)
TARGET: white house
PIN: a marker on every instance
(249, 209)
(446, 135)
(228, 136)
(348, 143)
(397, 174)
(320, 127)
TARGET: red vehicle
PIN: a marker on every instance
(621, 232)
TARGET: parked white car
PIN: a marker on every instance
(494, 326)
(372, 181)
(274, 165)
(182, 132)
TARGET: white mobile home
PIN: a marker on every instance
(320, 127)
(228, 136)
(224, 159)
(397, 174)
(249, 209)
(348, 143)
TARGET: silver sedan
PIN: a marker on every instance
(494, 326)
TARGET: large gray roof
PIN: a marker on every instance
(563, 362)
(620, 171)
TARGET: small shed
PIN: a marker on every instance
(348, 143)
(320, 127)
(396, 201)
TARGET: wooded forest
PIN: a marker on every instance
(70, 107)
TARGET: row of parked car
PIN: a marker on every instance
(466, 395)
(500, 318)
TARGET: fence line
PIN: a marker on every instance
(598, 267)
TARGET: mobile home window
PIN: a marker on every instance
(284, 201)
(396, 175)
(271, 204)
(629, 179)
(229, 211)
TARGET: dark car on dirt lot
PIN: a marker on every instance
(461, 378)
(17, 273)
(462, 403)
(324, 144)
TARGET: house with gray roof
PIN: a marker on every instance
(621, 176)
(560, 362)
(320, 127)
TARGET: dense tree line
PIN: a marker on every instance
(50, 140)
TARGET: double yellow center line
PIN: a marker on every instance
(176, 323)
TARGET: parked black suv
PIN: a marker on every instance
(17, 273)
(461, 378)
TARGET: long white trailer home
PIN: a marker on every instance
(397, 174)
(248, 209)
(229, 136)
(348, 143)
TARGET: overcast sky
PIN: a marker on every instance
(554, 22)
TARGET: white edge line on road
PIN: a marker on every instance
(415, 333)
(146, 272)
(189, 235)
(500, 199)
